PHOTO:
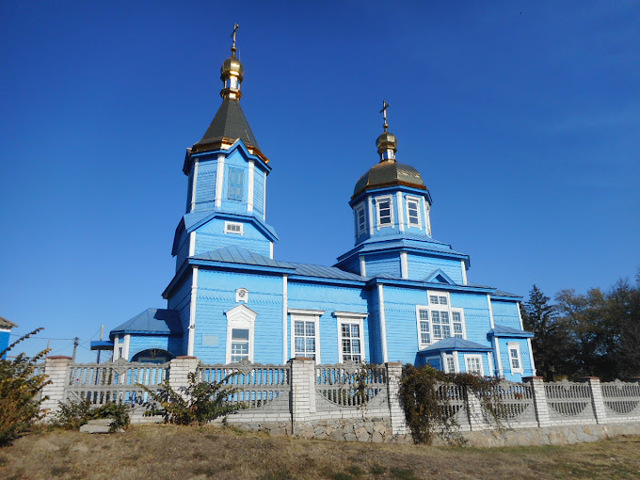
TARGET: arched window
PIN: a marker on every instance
(152, 355)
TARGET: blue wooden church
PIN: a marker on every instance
(397, 295)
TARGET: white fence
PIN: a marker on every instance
(304, 392)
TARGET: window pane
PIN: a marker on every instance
(346, 346)
(425, 337)
(311, 344)
(299, 328)
(433, 299)
(310, 329)
(424, 314)
(443, 300)
(457, 328)
(455, 316)
(346, 332)
(446, 331)
(355, 330)
(435, 316)
(437, 333)
(355, 346)
(240, 334)
(444, 317)
(299, 344)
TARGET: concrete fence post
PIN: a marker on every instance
(596, 399)
(539, 400)
(303, 390)
(396, 412)
(56, 368)
(179, 370)
(475, 411)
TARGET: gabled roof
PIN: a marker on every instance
(454, 344)
(321, 271)
(228, 125)
(4, 323)
(503, 331)
(152, 321)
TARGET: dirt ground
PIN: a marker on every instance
(199, 453)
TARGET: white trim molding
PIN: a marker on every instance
(285, 307)
(351, 318)
(383, 324)
(219, 180)
(250, 190)
(400, 211)
(192, 313)
(515, 347)
(240, 318)
(306, 316)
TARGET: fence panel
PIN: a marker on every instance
(569, 402)
(256, 384)
(621, 399)
(511, 404)
(350, 384)
(119, 381)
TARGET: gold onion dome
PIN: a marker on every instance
(232, 66)
(387, 141)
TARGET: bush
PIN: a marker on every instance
(20, 388)
(199, 403)
(73, 414)
(425, 395)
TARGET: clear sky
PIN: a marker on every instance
(523, 118)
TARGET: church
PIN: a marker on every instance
(398, 295)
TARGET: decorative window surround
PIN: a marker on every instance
(515, 359)
(242, 295)
(361, 220)
(305, 333)
(234, 228)
(473, 364)
(240, 333)
(439, 320)
(449, 363)
(351, 336)
(413, 212)
(235, 184)
(384, 211)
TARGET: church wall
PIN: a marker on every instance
(330, 299)
(352, 265)
(217, 295)
(183, 249)
(375, 336)
(383, 264)
(139, 343)
(4, 340)
(258, 191)
(180, 300)
(525, 358)
(402, 328)
(506, 314)
(206, 184)
(485, 362)
(476, 315)
(422, 267)
(211, 236)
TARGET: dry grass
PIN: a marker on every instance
(169, 452)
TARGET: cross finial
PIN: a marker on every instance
(385, 105)
(233, 36)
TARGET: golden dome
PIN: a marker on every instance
(231, 66)
(387, 141)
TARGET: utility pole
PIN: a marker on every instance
(75, 348)
(101, 337)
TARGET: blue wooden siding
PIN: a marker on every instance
(206, 184)
(383, 264)
(183, 249)
(375, 337)
(180, 301)
(476, 315)
(138, 343)
(237, 164)
(258, 191)
(401, 325)
(216, 295)
(4, 342)
(211, 236)
(329, 299)
(421, 267)
(525, 357)
(352, 265)
(506, 313)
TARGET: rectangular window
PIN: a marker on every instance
(235, 190)
(351, 342)
(439, 320)
(239, 344)
(361, 220)
(412, 212)
(425, 331)
(514, 358)
(305, 338)
(385, 217)
(438, 300)
(450, 364)
(233, 227)
(474, 364)
(456, 319)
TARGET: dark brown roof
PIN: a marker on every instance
(228, 125)
(4, 323)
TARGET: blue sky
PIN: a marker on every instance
(523, 118)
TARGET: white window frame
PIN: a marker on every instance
(241, 318)
(306, 316)
(514, 346)
(351, 318)
(388, 198)
(229, 225)
(445, 365)
(416, 201)
(469, 357)
(439, 308)
(360, 229)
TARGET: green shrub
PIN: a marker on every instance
(72, 415)
(199, 403)
(20, 388)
